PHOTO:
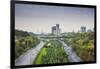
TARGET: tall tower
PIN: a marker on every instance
(56, 30)
(57, 25)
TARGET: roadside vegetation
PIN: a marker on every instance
(51, 53)
(82, 44)
(24, 41)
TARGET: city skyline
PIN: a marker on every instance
(40, 18)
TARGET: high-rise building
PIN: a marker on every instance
(57, 25)
(56, 30)
(83, 29)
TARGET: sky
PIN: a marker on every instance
(40, 18)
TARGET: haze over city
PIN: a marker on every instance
(39, 18)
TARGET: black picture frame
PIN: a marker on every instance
(12, 26)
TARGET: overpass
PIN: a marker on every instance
(43, 36)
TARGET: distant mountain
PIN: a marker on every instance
(21, 33)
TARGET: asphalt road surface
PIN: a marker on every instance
(28, 57)
(71, 54)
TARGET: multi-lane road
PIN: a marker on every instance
(71, 54)
(28, 57)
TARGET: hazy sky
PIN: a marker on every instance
(40, 18)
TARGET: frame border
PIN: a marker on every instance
(12, 32)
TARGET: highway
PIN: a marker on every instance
(71, 54)
(28, 57)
